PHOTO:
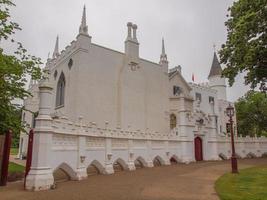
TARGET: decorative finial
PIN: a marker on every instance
(163, 47)
(163, 56)
(83, 27)
(56, 52)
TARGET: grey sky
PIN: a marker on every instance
(190, 28)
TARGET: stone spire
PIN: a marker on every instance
(163, 56)
(56, 51)
(215, 80)
(163, 47)
(83, 27)
(215, 69)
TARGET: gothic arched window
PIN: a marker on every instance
(172, 121)
(60, 90)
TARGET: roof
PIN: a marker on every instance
(215, 69)
(173, 73)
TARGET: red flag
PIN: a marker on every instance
(193, 77)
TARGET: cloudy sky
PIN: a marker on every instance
(189, 27)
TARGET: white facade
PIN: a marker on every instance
(31, 106)
(100, 107)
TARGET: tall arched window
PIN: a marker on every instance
(60, 90)
(172, 121)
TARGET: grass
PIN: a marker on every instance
(249, 184)
(14, 151)
(13, 167)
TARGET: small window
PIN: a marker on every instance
(60, 95)
(172, 121)
(211, 99)
(198, 96)
(55, 74)
(176, 90)
(220, 128)
(70, 63)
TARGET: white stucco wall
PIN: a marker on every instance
(31, 105)
(218, 83)
(102, 87)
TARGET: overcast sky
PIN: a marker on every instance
(189, 27)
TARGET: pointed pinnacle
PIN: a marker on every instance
(163, 47)
(83, 27)
(56, 51)
(84, 16)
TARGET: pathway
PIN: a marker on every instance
(180, 182)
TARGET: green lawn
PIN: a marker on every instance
(249, 184)
(13, 167)
(14, 151)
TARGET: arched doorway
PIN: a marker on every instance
(198, 149)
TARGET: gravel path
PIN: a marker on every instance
(14, 159)
(184, 182)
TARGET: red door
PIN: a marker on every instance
(198, 149)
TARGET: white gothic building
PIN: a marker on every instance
(100, 107)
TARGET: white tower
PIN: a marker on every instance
(216, 81)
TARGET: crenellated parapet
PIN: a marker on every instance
(65, 53)
(64, 126)
(203, 86)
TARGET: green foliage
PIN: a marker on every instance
(249, 184)
(245, 49)
(251, 113)
(14, 151)
(13, 167)
(13, 71)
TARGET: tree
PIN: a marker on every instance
(251, 113)
(13, 71)
(246, 47)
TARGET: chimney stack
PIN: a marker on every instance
(131, 44)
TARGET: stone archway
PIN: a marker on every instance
(158, 161)
(173, 160)
(95, 168)
(119, 165)
(198, 149)
(223, 156)
(140, 163)
(63, 173)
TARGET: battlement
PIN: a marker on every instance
(203, 86)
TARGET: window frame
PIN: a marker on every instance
(173, 121)
(198, 94)
(60, 93)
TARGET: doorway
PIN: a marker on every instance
(198, 149)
